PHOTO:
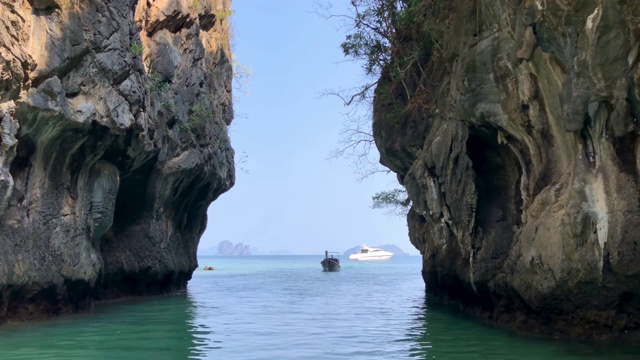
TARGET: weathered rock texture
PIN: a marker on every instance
(114, 142)
(516, 135)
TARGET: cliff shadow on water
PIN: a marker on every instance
(114, 121)
(443, 331)
(514, 130)
(164, 327)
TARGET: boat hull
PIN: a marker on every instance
(361, 257)
(330, 265)
(370, 254)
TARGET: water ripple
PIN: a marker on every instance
(286, 308)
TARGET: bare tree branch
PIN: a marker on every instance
(371, 30)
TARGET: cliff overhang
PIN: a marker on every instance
(515, 134)
(113, 116)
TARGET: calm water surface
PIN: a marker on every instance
(285, 307)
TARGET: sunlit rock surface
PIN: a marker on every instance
(113, 117)
(519, 149)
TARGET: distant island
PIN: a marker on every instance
(227, 248)
(388, 247)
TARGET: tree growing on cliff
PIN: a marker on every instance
(373, 27)
(395, 202)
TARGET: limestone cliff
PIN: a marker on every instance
(227, 248)
(515, 131)
(114, 120)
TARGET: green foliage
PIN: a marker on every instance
(380, 37)
(168, 106)
(194, 4)
(395, 201)
(371, 38)
(198, 115)
(136, 48)
(224, 14)
(157, 83)
(375, 30)
(383, 37)
(394, 109)
(220, 142)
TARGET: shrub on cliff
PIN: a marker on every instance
(375, 30)
(377, 36)
(395, 201)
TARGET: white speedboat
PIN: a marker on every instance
(370, 253)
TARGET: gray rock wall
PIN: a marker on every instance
(519, 148)
(114, 118)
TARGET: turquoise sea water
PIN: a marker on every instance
(285, 307)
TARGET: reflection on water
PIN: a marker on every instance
(418, 333)
(157, 328)
(287, 308)
(203, 336)
(441, 333)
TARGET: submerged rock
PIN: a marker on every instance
(208, 268)
(515, 134)
(113, 122)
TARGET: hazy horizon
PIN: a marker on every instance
(212, 250)
(287, 194)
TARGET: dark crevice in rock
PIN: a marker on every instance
(173, 22)
(171, 123)
(44, 12)
(22, 160)
(497, 172)
(190, 202)
(625, 148)
(120, 78)
(207, 21)
(587, 144)
(143, 282)
(132, 197)
(43, 7)
(62, 70)
(199, 204)
(96, 136)
(71, 95)
(116, 152)
(31, 302)
(497, 175)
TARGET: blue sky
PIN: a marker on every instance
(292, 197)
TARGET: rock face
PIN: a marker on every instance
(114, 118)
(515, 132)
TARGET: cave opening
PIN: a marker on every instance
(190, 203)
(625, 149)
(497, 175)
(25, 150)
(131, 201)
